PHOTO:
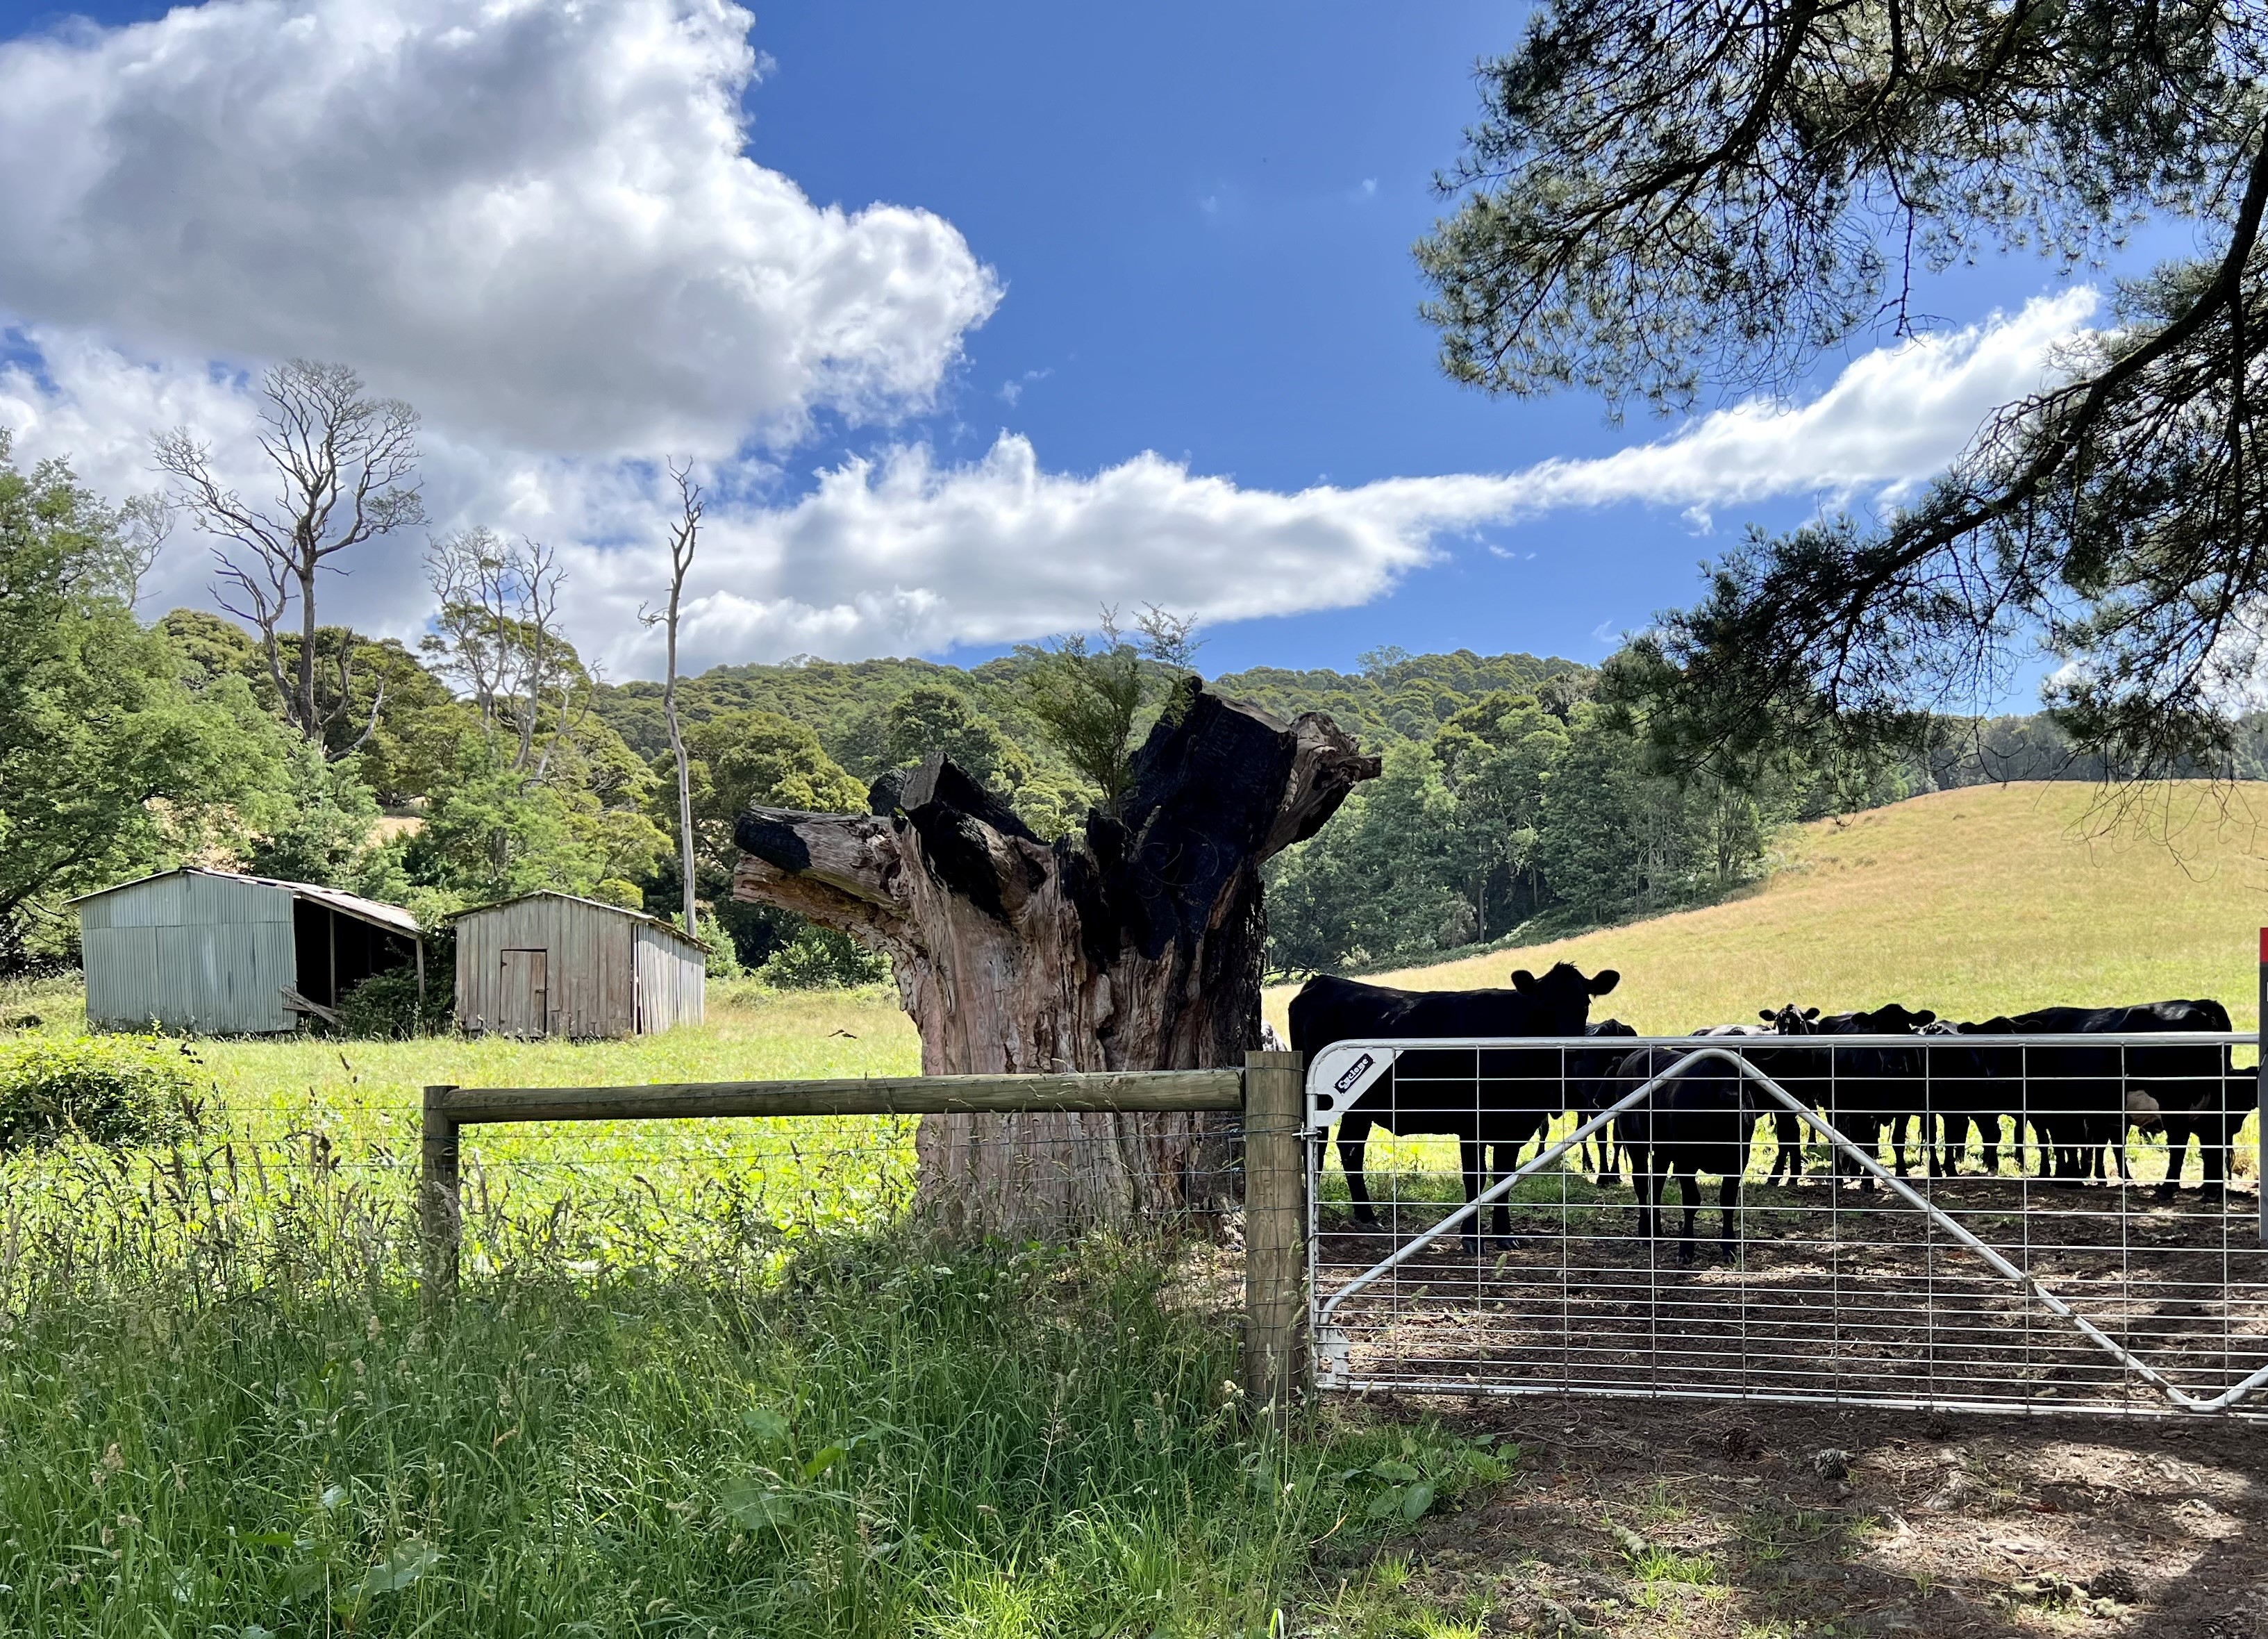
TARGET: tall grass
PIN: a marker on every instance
(704, 1378)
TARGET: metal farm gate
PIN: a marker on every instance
(2047, 1283)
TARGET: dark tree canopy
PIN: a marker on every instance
(1665, 196)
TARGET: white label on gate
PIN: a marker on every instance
(1343, 1073)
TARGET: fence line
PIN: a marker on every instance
(1269, 1090)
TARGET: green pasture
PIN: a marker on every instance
(704, 1378)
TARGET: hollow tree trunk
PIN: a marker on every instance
(1135, 946)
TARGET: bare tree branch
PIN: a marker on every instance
(346, 469)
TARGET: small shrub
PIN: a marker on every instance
(385, 1005)
(820, 958)
(116, 1091)
(722, 957)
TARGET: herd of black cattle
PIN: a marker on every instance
(2078, 1101)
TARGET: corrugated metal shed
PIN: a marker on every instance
(556, 965)
(222, 954)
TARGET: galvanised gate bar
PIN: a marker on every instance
(1961, 1223)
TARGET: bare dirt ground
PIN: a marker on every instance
(1757, 1521)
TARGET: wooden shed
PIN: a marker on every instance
(225, 955)
(554, 964)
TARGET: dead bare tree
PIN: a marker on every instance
(346, 465)
(684, 536)
(497, 636)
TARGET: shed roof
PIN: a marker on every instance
(597, 904)
(377, 910)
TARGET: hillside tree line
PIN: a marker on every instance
(1521, 796)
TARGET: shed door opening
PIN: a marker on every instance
(526, 990)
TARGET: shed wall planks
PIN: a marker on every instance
(607, 971)
(671, 980)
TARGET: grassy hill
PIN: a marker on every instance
(1974, 901)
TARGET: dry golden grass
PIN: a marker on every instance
(1989, 900)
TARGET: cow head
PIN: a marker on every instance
(1565, 994)
(1791, 1020)
(1893, 1020)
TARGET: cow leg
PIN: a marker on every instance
(2177, 1155)
(1504, 1160)
(1354, 1133)
(2216, 1132)
(1689, 1190)
(1787, 1147)
(1469, 1151)
(1870, 1145)
(1956, 1140)
(1645, 1188)
(1728, 1199)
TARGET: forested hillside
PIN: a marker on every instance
(1514, 801)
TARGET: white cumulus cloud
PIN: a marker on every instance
(905, 553)
(534, 218)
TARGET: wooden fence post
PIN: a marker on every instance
(440, 1212)
(1275, 1233)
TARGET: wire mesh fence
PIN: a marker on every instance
(1979, 1222)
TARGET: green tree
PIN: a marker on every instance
(110, 760)
(1088, 698)
(928, 719)
(1495, 757)
(1659, 198)
(320, 825)
(492, 834)
(1377, 883)
(739, 759)
(745, 757)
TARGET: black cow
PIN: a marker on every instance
(2080, 1099)
(1787, 1126)
(1506, 1098)
(1697, 1121)
(1970, 1089)
(1590, 1075)
(1861, 1090)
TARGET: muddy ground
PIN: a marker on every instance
(1771, 1522)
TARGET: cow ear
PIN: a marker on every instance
(1811, 1012)
(1925, 1016)
(1604, 980)
(1766, 1014)
(1523, 981)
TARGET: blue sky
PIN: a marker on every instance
(1181, 229)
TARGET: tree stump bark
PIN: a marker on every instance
(1135, 946)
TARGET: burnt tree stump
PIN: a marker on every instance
(1135, 945)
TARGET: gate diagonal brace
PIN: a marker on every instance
(1333, 1347)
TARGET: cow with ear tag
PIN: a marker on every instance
(1492, 1100)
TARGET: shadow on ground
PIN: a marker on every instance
(1771, 1522)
